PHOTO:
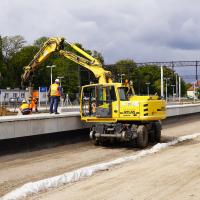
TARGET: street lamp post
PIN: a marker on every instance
(52, 66)
(60, 78)
(147, 87)
(121, 75)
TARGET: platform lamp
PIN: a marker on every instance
(52, 66)
(121, 77)
(60, 78)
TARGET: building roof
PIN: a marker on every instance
(197, 85)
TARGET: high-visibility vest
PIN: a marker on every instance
(33, 103)
(24, 108)
(55, 90)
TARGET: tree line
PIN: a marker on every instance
(15, 53)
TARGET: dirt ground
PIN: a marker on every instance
(173, 173)
(6, 112)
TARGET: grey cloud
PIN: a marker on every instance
(141, 30)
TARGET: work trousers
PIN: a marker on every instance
(54, 100)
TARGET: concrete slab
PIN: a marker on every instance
(36, 124)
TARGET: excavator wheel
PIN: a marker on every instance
(105, 142)
(142, 138)
(96, 141)
(152, 136)
(157, 133)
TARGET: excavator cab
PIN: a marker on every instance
(97, 100)
(103, 100)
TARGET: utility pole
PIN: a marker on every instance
(161, 78)
(147, 87)
(177, 85)
(194, 91)
(166, 87)
(179, 89)
(196, 66)
(173, 91)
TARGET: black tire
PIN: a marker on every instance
(158, 128)
(142, 138)
(105, 142)
(152, 135)
(95, 142)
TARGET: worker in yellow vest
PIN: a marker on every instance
(25, 108)
(55, 91)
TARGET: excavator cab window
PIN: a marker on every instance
(97, 101)
(105, 96)
(88, 101)
(125, 93)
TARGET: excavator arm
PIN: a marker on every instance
(57, 45)
(50, 46)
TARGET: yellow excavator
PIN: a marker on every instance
(112, 109)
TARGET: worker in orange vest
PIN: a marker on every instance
(25, 108)
(54, 93)
(33, 104)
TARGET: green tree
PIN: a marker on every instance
(1, 51)
(149, 76)
(124, 69)
(1, 61)
(40, 41)
(10, 45)
(18, 62)
(98, 56)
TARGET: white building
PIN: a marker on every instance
(17, 95)
(7, 95)
(192, 91)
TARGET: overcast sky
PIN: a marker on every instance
(142, 30)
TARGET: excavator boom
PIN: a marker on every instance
(94, 66)
(56, 44)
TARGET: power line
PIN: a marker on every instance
(171, 64)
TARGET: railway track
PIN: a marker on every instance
(60, 154)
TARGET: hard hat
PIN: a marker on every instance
(23, 101)
(57, 80)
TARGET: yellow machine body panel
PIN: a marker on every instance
(142, 110)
